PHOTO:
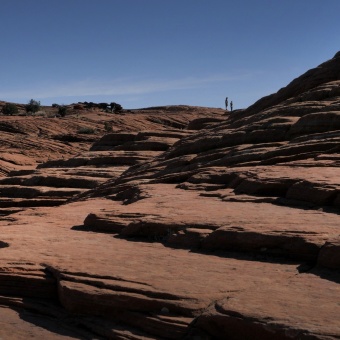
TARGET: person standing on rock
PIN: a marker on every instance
(231, 106)
(226, 103)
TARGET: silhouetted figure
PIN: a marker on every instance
(231, 106)
(226, 103)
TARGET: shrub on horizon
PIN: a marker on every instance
(103, 106)
(78, 107)
(62, 110)
(33, 106)
(89, 105)
(115, 107)
(10, 109)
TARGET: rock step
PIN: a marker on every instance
(26, 285)
(275, 231)
(27, 280)
(97, 172)
(109, 307)
(132, 326)
(292, 244)
(82, 171)
(103, 159)
(21, 172)
(54, 181)
(146, 140)
(76, 326)
(76, 295)
(31, 202)
(113, 330)
(17, 191)
(298, 183)
(165, 326)
(151, 312)
(9, 211)
(156, 144)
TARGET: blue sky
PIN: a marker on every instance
(143, 53)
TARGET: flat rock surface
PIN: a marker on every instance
(186, 283)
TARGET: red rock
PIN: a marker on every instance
(251, 197)
(329, 255)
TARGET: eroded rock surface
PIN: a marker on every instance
(186, 223)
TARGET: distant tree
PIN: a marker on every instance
(33, 106)
(78, 107)
(103, 106)
(62, 110)
(55, 105)
(9, 109)
(115, 107)
(89, 105)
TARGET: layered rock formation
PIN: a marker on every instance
(183, 223)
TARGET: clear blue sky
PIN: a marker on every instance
(143, 53)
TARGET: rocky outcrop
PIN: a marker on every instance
(302, 86)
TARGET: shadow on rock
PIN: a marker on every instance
(62, 325)
(327, 274)
(4, 244)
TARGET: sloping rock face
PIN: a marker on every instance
(27, 141)
(225, 227)
(84, 164)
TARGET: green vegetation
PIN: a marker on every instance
(103, 106)
(33, 106)
(62, 110)
(115, 107)
(9, 109)
(112, 107)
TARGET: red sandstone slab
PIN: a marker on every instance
(99, 270)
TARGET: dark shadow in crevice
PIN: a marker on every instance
(255, 256)
(4, 244)
(142, 239)
(325, 273)
(81, 227)
(303, 205)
